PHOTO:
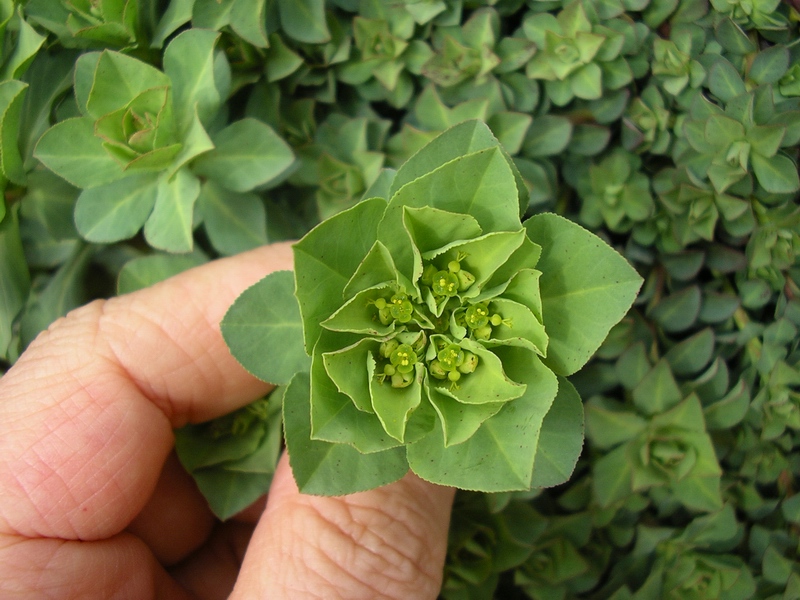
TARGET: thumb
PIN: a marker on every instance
(385, 543)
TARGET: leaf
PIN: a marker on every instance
(770, 65)
(586, 288)
(195, 142)
(189, 64)
(304, 20)
(657, 391)
(394, 406)
(470, 186)
(729, 411)
(724, 80)
(589, 140)
(718, 307)
(466, 138)
(263, 330)
(548, 135)
(490, 383)
(234, 222)
(85, 66)
(334, 416)
(691, 355)
(611, 477)
(177, 13)
(678, 311)
(561, 438)
(500, 454)
(248, 21)
(325, 265)
(352, 370)
(145, 271)
(71, 150)
(12, 94)
(699, 493)
(196, 451)
(117, 210)
(510, 129)
(459, 421)
(230, 492)
(683, 266)
(18, 57)
(587, 82)
(64, 291)
(14, 279)
(331, 469)
(777, 175)
(169, 226)
(732, 38)
(609, 424)
(633, 365)
(49, 77)
(47, 223)
(118, 79)
(211, 14)
(248, 154)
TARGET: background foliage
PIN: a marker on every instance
(141, 137)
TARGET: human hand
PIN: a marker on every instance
(94, 504)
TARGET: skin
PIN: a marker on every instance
(94, 504)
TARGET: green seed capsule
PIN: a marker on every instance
(428, 274)
(465, 280)
(385, 316)
(388, 347)
(436, 370)
(401, 380)
(483, 333)
(470, 363)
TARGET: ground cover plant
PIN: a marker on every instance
(140, 138)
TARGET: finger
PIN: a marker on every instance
(120, 567)
(86, 415)
(385, 543)
(211, 572)
(176, 519)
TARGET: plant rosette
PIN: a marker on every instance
(439, 327)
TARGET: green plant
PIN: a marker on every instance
(441, 333)
(141, 138)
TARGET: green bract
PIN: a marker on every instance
(440, 333)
